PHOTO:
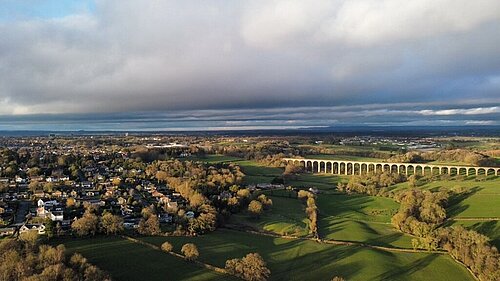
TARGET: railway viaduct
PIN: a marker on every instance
(342, 167)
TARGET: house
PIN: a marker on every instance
(57, 193)
(126, 210)
(172, 205)
(270, 186)
(157, 194)
(86, 184)
(190, 215)
(314, 190)
(46, 203)
(122, 201)
(51, 179)
(93, 202)
(39, 227)
(164, 200)
(131, 223)
(39, 194)
(7, 231)
(50, 209)
(20, 180)
(56, 215)
(38, 178)
(165, 218)
(225, 195)
(91, 193)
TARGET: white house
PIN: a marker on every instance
(190, 215)
(56, 215)
(40, 228)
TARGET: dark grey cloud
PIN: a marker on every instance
(249, 62)
(259, 118)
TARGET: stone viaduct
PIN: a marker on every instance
(344, 167)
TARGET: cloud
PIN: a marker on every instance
(361, 22)
(257, 118)
(467, 111)
(262, 58)
(481, 122)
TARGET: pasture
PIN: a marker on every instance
(360, 218)
(126, 260)
(286, 217)
(258, 173)
(308, 260)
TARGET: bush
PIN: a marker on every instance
(167, 247)
(190, 251)
(255, 208)
(252, 267)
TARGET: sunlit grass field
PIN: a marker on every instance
(360, 218)
(286, 217)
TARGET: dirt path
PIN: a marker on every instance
(338, 242)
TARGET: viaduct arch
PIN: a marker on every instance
(341, 167)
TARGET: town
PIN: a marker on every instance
(163, 190)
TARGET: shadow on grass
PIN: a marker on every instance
(402, 273)
(454, 203)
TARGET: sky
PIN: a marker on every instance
(225, 64)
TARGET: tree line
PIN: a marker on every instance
(24, 259)
(461, 155)
(311, 210)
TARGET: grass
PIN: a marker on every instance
(308, 260)
(321, 181)
(359, 207)
(475, 206)
(362, 231)
(287, 217)
(258, 173)
(126, 260)
(255, 168)
(360, 218)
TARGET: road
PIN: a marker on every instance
(22, 211)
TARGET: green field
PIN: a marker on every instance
(258, 173)
(287, 217)
(360, 218)
(325, 182)
(308, 260)
(359, 207)
(126, 260)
